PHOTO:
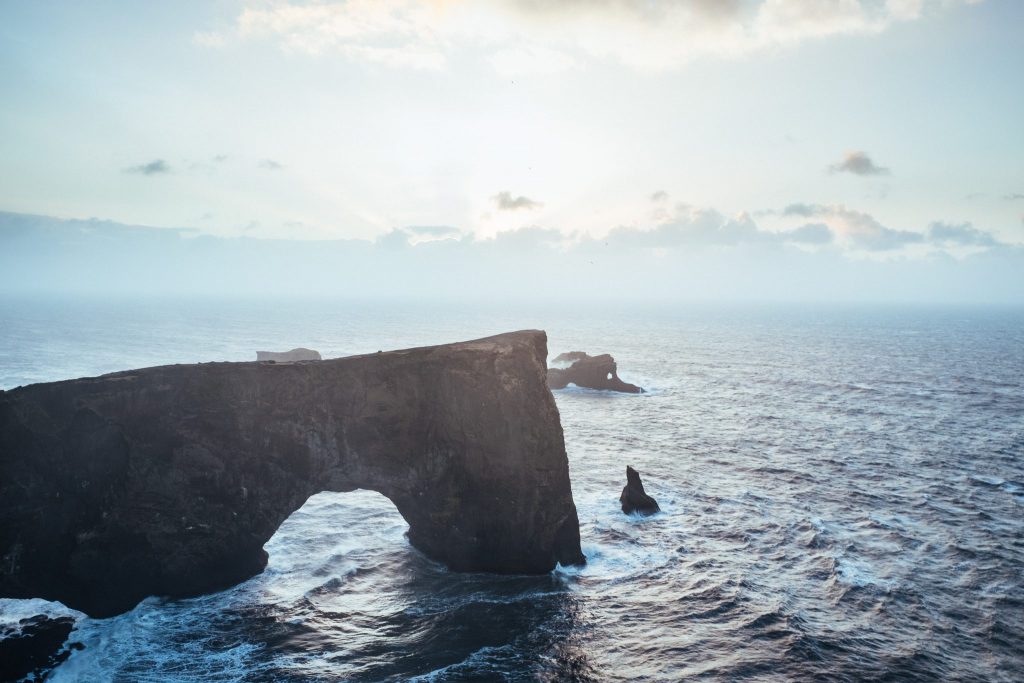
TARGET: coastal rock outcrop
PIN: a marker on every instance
(634, 498)
(169, 480)
(288, 356)
(34, 646)
(591, 372)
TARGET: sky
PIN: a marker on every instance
(823, 149)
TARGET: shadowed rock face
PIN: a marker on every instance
(169, 480)
(592, 372)
(34, 647)
(634, 498)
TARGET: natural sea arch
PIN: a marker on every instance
(169, 480)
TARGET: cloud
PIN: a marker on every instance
(659, 196)
(802, 210)
(858, 230)
(811, 233)
(506, 202)
(534, 36)
(1013, 196)
(433, 231)
(961, 235)
(395, 33)
(690, 226)
(394, 240)
(270, 165)
(672, 262)
(834, 228)
(527, 238)
(858, 163)
(155, 167)
(855, 229)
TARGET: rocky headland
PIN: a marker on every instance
(169, 480)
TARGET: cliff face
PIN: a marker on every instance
(169, 480)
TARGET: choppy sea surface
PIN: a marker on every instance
(842, 494)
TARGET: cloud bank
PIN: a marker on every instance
(155, 167)
(527, 36)
(697, 254)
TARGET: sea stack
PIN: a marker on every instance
(634, 498)
(589, 372)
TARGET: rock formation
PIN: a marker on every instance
(169, 480)
(288, 356)
(634, 498)
(591, 372)
(35, 646)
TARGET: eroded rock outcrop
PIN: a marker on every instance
(591, 372)
(34, 646)
(288, 356)
(634, 498)
(169, 480)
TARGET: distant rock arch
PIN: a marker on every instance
(591, 372)
(169, 480)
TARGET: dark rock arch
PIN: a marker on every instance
(169, 480)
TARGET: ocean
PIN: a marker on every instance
(842, 495)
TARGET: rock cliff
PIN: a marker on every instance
(169, 480)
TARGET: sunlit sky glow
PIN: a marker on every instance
(878, 130)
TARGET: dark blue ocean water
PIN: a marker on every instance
(842, 493)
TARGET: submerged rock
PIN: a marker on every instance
(634, 498)
(169, 480)
(288, 356)
(35, 646)
(591, 372)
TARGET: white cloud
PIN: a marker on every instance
(397, 33)
(537, 36)
(962, 234)
(858, 163)
(854, 229)
(506, 202)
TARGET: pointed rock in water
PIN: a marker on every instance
(634, 498)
